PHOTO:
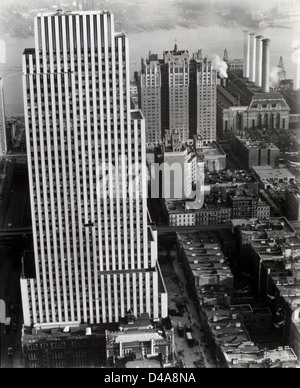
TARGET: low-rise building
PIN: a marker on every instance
(271, 256)
(72, 346)
(252, 357)
(292, 203)
(204, 263)
(141, 339)
(210, 214)
(270, 177)
(179, 168)
(253, 152)
(211, 154)
(227, 327)
(218, 209)
(255, 229)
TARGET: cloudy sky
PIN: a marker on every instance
(253, 4)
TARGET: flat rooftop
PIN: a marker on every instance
(210, 151)
(251, 143)
(265, 229)
(60, 12)
(268, 172)
(137, 115)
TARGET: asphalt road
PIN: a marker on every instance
(188, 355)
(18, 211)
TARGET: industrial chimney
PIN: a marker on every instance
(297, 78)
(259, 55)
(252, 57)
(296, 60)
(246, 54)
(266, 66)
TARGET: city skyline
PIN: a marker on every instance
(150, 204)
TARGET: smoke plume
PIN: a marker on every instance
(275, 76)
(220, 66)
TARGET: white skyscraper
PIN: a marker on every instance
(3, 140)
(95, 255)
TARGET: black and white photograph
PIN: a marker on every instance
(150, 187)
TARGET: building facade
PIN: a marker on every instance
(217, 212)
(253, 152)
(211, 154)
(150, 96)
(3, 140)
(179, 168)
(240, 107)
(246, 100)
(140, 339)
(203, 99)
(178, 93)
(95, 256)
(176, 81)
(292, 203)
(80, 347)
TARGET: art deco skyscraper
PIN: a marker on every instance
(203, 99)
(150, 91)
(179, 94)
(95, 255)
(3, 139)
(177, 84)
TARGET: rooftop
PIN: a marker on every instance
(274, 227)
(268, 173)
(252, 143)
(134, 336)
(209, 151)
(294, 190)
(67, 330)
(252, 95)
(137, 115)
(60, 12)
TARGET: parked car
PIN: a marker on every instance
(189, 339)
(180, 329)
(10, 352)
(188, 328)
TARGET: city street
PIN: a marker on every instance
(10, 293)
(17, 216)
(18, 212)
(176, 286)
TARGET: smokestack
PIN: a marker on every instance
(252, 61)
(297, 78)
(258, 66)
(266, 66)
(246, 54)
(296, 60)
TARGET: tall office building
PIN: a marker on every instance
(3, 139)
(179, 93)
(95, 255)
(203, 99)
(150, 98)
(176, 83)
